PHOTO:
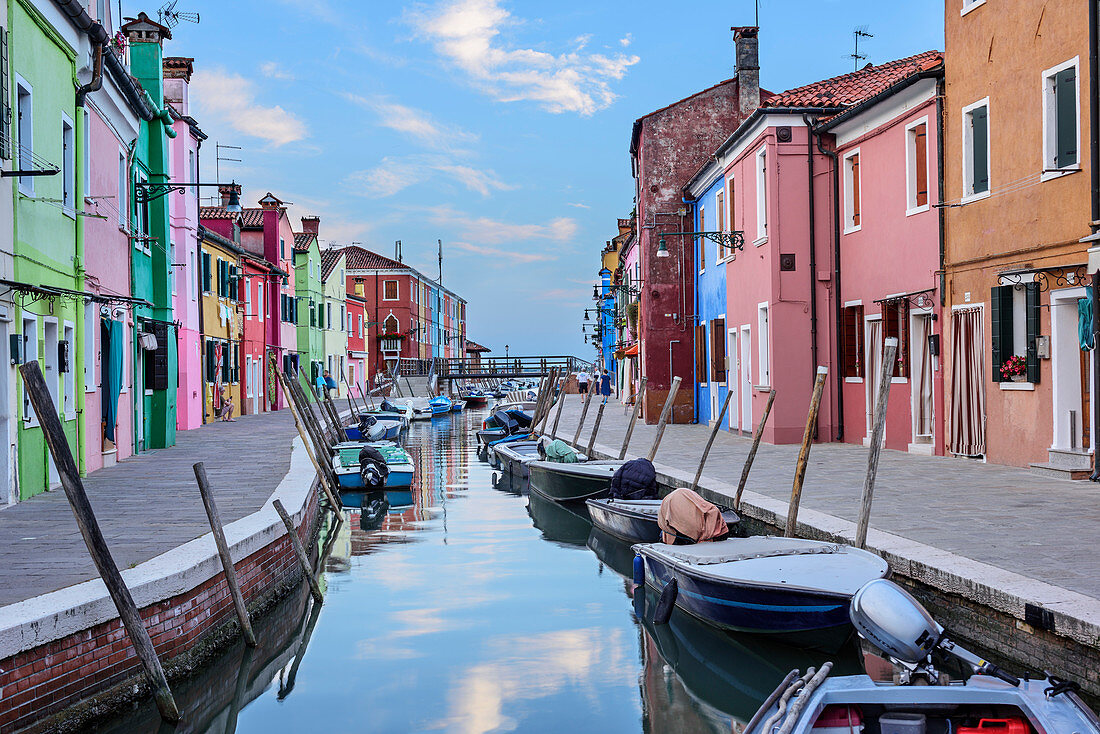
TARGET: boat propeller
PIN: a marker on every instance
(892, 619)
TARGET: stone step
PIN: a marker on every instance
(1061, 472)
(1070, 458)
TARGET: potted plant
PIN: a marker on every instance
(1014, 368)
(632, 316)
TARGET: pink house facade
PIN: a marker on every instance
(183, 213)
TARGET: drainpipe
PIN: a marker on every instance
(836, 280)
(97, 78)
(1094, 223)
(813, 247)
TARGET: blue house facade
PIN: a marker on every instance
(711, 214)
(607, 308)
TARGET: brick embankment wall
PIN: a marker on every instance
(75, 678)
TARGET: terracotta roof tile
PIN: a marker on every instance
(253, 218)
(855, 87)
(214, 212)
(472, 346)
(329, 258)
(362, 259)
(302, 241)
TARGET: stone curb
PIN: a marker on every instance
(43, 619)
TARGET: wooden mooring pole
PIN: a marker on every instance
(633, 418)
(804, 452)
(551, 383)
(223, 553)
(752, 451)
(580, 424)
(665, 411)
(595, 428)
(884, 380)
(300, 552)
(710, 441)
(557, 413)
(39, 395)
(321, 461)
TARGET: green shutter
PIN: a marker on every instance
(1065, 114)
(1032, 311)
(211, 366)
(206, 272)
(979, 121)
(1000, 312)
(5, 98)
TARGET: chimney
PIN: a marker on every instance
(226, 189)
(746, 48)
(310, 224)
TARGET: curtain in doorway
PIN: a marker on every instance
(112, 374)
(874, 367)
(967, 383)
(922, 377)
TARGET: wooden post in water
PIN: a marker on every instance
(710, 441)
(557, 413)
(223, 553)
(341, 434)
(317, 406)
(550, 385)
(309, 418)
(885, 378)
(595, 427)
(325, 471)
(804, 452)
(351, 397)
(39, 395)
(300, 552)
(633, 418)
(665, 411)
(752, 452)
(580, 424)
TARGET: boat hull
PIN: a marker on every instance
(629, 526)
(561, 484)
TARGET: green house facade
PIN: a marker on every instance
(309, 292)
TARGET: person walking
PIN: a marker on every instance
(330, 383)
(582, 381)
(605, 385)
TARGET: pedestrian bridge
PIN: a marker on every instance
(466, 368)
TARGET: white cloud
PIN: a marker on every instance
(272, 70)
(578, 205)
(495, 232)
(393, 174)
(468, 33)
(510, 255)
(232, 98)
(626, 40)
(416, 124)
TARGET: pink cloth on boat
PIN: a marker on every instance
(685, 513)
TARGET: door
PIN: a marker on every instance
(873, 342)
(746, 378)
(52, 375)
(733, 379)
(257, 384)
(920, 370)
(968, 378)
(7, 486)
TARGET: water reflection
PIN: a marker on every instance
(467, 605)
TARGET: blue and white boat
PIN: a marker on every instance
(346, 464)
(457, 406)
(440, 405)
(796, 589)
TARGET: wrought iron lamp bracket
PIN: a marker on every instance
(731, 241)
(1049, 279)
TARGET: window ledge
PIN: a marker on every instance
(762, 388)
(69, 212)
(850, 230)
(975, 197)
(1051, 175)
(916, 210)
(967, 7)
(760, 241)
(899, 380)
(1017, 385)
(854, 380)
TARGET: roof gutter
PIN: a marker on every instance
(936, 73)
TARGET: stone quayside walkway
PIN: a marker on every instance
(1011, 518)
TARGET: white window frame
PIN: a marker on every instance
(24, 88)
(967, 149)
(49, 357)
(850, 192)
(761, 161)
(193, 279)
(702, 246)
(968, 5)
(68, 392)
(91, 322)
(172, 263)
(247, 297)
(1050, 127)
(911, 207)
(763, 347)
(29, 328)
(123, 191)
(86, 153)
(127, 359)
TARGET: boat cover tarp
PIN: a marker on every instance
(743, 549)
(635, 480)
(372, 467)
(560, 452)
(687, 517)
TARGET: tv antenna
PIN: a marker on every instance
(218, 157)
(859, 32)
(169, 16)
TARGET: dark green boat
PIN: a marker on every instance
(573, 482)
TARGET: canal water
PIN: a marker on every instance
(466, 605)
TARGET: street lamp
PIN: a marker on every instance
(506, 351)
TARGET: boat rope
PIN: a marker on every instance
(751, 726)
(800, 703)
(1058, 686)
(782, 706)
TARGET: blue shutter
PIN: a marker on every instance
(1065, 115)
(979, 121)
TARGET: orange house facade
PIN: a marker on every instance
(1016, 211)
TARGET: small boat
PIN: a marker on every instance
(503, 423)
(991, 700)
(457, 406)
(573, 482)
(440, 405)
(793, 588)
(636, 520)
(417, 409)
(346, 464)
(476, 398)
(515, 456)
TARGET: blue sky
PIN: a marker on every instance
(500, 127)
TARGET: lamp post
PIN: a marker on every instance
(145, 192)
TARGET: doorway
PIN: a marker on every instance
(7, 485)
(1070, 369)
(921, 367)
(746, 378)
(733, 377)
(873, 360)
(52, 375)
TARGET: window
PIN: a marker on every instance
(702, 240)
(91, 328)
(895, 323)
(1014, 315)
(851, 191)
(50, 368)
(916, 166)
(763, 356)
(5, 95)
(762, 195)
(123, 190)
(718, 350)
(247, 298)
(976, 149)
(141, 213)
(328, 315)
(30, 353)
(25, 120)
(193, 285)
(389, 290)
(68, 397)
(192, 174)
(68, 166)
(86, 153)
(1061, 112)
(343, 318)
(968, 5)
(720, 205)
(851, 336)
(282, 248)
(360, 326)
(206, 275)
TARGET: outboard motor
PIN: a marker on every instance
(373, 468)
(892, 619)
(389, 407)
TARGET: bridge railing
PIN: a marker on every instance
(508, 366)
